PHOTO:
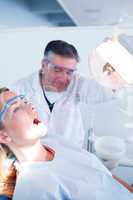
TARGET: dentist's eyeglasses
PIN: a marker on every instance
(59, 69)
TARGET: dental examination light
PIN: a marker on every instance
(111, 63)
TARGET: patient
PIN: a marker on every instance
(53, 171)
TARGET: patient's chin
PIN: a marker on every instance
(38, 129)
(42, 128)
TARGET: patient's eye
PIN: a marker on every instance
(16, 109)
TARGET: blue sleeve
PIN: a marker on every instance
(3, 197)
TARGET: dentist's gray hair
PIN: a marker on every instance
(61, 48)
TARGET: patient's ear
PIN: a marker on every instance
(4, 138)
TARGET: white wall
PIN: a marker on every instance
(21, 50)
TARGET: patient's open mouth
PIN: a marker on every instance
(36, 121)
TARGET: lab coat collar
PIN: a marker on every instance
(36, 87)
(36, 82)
(37, 91)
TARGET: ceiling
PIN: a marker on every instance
(66, 12)
(85, 12)
(99, 12)
(52, 11)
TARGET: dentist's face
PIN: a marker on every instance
(58, 72)
(19, 119)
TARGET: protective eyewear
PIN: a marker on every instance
(8, 103)
(60, 69)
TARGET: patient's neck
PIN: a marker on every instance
(35, 152)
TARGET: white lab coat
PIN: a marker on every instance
(72, 175)
(69, 113)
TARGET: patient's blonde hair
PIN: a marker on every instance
(7, 177)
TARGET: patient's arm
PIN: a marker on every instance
(125, 184)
